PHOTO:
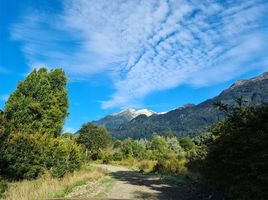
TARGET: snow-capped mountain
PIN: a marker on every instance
(114, 120)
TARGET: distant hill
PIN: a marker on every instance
(190, 119)
(113, 121)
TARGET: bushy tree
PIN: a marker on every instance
(94, 138)
(39, 104)
(186, 143)
(237, 160)
(158, 146)
(133, 148)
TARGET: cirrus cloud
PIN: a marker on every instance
(147, 46)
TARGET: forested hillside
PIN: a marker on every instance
(192, 119)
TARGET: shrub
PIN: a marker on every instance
(66, 156)
(29, 155)
(118, 156)
(106, 156)
(147, 165)
(172, 165)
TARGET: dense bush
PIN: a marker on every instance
(237, 161)
(29, 155)
(172, 164)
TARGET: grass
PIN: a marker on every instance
(144, 165)
(106, 183)
(47, 187)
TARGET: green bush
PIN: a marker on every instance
(118, 156)
(171, 165)
(106, 156)
(66, 156)
(29, 155)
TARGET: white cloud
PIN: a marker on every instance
(68, 130)
(146, 46)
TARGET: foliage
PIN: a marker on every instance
(29, 155)
(133, 148)
(3, 136)
(186, 143)
(39, 104)
(47, 187)
(3, 186)
(94, 138)
(171, 165)
(237, 160)
(162, 154)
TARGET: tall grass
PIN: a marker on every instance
(48, 187)
(143, 165)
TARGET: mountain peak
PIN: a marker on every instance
(135, 113)
(116, 119)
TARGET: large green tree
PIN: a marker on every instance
(94, 138)
(39, 104)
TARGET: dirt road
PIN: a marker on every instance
(123, 183)
(134, 185)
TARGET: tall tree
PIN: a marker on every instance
(39, 104)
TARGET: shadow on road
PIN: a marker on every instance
(163, 189)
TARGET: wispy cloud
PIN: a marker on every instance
(147, 46)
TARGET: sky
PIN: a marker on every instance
(155, 54)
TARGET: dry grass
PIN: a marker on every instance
(47, 187)
(143, 165)
(147, 165)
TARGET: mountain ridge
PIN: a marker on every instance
(190, 119)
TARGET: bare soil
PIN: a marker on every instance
(129, 184)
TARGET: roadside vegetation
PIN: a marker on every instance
(48, 187)
(38, 160)
(231, 156)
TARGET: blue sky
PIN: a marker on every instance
(156, 54)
